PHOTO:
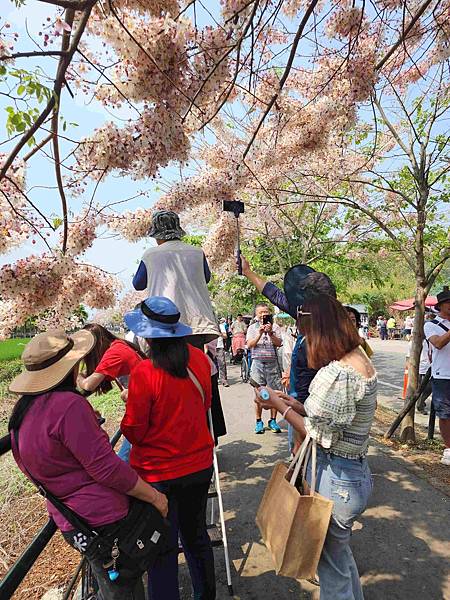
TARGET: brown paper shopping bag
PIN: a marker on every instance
(293, 525)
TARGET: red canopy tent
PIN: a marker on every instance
(430, 301)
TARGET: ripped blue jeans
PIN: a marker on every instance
(349, 484)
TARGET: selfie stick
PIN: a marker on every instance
(238, 250)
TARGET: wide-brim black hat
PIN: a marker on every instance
(301, 282)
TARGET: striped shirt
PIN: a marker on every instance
(340, 410)
(264, 349)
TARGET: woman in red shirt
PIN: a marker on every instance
(166, 422)
(111, 358)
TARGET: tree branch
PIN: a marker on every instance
(285, 75)
(69, 18)
(70, 4)
(32, 53)
(37, 147)
(57, 87)
(403, 35)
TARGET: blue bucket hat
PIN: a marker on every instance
(156, 317)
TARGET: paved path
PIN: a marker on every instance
(401, 544)
(389, 360)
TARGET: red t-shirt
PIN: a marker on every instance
(118, 361)
(166, 420)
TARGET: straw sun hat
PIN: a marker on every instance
(48, 359)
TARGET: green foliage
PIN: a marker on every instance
(26, 89)
(11, 349)
(233, 294)
(194, 240)
(81, 313)
(9, 369)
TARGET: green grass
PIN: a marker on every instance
(110, 405)
(13, 348)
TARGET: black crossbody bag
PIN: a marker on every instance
(128, 549)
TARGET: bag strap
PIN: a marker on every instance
(197, 384)
(441, 325)
(74, 519)
(301, 459)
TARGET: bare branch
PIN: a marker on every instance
(32, 53)
(70, 4)
(298, 35)
(403, 35)
(37, 147)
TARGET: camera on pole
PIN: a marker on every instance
(237, 208)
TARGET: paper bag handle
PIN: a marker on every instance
(301, 460)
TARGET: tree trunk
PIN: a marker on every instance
(407, 432)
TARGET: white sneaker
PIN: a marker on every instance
(445, 460)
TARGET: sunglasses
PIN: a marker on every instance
(301, 313)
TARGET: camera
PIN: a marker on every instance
(267, 319)
(234, 206)
(237, 208)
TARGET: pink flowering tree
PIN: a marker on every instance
(257, 100)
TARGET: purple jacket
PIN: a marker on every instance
(64, 448)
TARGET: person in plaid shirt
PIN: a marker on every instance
(263, 338)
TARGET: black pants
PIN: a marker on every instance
(187, 497)
(425, 395)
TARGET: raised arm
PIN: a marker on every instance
(258, 281)
(267, 288)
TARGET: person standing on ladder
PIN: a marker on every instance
(437, 333)
(180, 272)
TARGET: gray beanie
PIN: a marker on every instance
(166, 226)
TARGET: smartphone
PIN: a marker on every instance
(267, 319)
(253, 383)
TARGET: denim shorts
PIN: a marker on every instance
(441, 397)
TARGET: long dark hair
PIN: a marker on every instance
(170, 355)
(103, 340)
(328, 329)
(24, 403)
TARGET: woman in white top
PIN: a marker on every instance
(338, 414)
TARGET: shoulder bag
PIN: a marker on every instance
(128, 549)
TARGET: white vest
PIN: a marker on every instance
(176, 270)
